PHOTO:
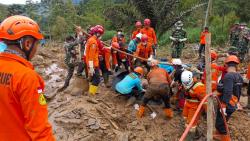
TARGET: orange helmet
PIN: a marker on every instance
(232, 58)
(139, 70)
(115, 45)
(214, 55)
(16, 27)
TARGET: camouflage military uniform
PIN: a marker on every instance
(243, 44)
(234, 35)
(178, 38)
(70, 60)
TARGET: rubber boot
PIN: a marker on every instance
(169, 112)
(106, 80)
(140, 112)
(93, 89)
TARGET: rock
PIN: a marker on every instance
(92, 100)
(95, 126)
(91, 121)
(134, 123)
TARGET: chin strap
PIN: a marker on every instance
(27, 52)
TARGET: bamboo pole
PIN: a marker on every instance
(210, 104)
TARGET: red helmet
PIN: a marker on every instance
(115, 45)
(147, 22)
(232, 58)
(15, 27)
(97, 29)
(144, 38)
(138, 24)
(100, 26)
(214, 55)
(92, 30)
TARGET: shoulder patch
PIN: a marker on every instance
(42, 99)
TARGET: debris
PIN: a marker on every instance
(112, 122)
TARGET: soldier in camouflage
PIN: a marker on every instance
(243, 42)
(70, 59)
(178, 38)
(234, 34)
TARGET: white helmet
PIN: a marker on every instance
(176, 61)
(139, 35)
(187, 79)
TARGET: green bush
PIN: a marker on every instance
(108, 35)
(193, 34)
(164, 39)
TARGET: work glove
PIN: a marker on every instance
(223, 110)
(183, 40)
(150, 58)
(172, 38)
(91, 68)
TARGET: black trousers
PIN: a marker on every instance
(95, 80)
(219, 122)
(105, 72)
(201, 49)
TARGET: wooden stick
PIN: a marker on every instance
(112, 123)
(210, 104)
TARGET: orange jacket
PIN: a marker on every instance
(203, 37)
(159, 75)
(134, 33)
(150, 32)
(248, 72)
(23, 114)
(92, 51)
(215, 70)
(144, 51)
(197, 92)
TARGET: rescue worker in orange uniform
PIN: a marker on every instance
(215, 71)
(24, 114)
(230, 95)
(92, 58)
(195, 92)
(144, 50)
(138, 26)
(159, 88)
(203, 41)
(150, 32)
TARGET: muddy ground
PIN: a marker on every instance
(75, 118)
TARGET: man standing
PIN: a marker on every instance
(138, 26)
(203, 41)
(24, 114)
(230, 96)
(150, 32)
(178, 38)
(92, 60)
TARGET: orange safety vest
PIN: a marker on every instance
(23, 114)
(203, 37)
(137, 31)
(144, 51)
(215, 76)
(92, 51)
(197, 93)
(159, 75)
(150, 32)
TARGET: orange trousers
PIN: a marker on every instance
(189, 111)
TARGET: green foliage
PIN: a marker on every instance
(3, 12)
(193, 34)
(164, 39)
(108, 35)
(59, 29)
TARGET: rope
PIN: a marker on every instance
(120, 51)
(196, 113)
